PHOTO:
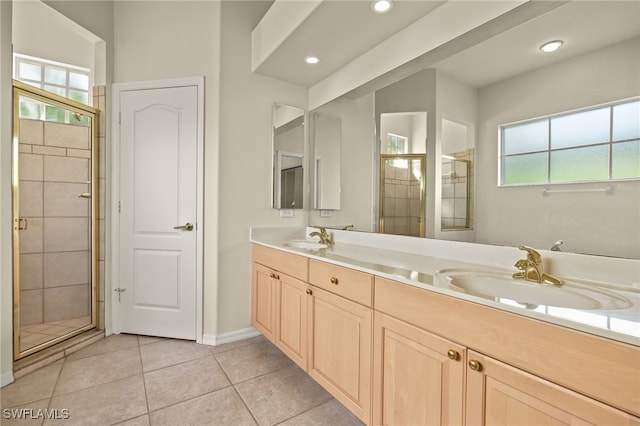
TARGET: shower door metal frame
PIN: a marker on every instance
(423, 170)
(22, 89)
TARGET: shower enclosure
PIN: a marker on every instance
(402, 194)
(54, 219)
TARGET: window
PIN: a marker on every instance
(64, 80)
(397, 144)
(596, 144)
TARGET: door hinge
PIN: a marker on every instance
(119, 207)
(119, 118)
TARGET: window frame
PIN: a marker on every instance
(549, 150)
(19, 58)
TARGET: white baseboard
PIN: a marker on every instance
(228, 337)
(6, 378)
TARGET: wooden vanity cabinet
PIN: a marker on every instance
(499, 394)
(418, 378)
(340, 331)
(279, 300)
(543, 375)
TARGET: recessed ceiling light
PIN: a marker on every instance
(551, 46)
(311, 59)
(381, 6)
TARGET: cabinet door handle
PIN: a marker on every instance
(475, 365)
(453, 354)
(274, 276)
(309, 292)
(334, 280)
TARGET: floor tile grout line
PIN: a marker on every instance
(144, 382)
(177, 363)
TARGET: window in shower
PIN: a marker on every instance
(64, 80)
(54, 236)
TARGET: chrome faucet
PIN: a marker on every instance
(532, 270)
(556, 245)
(325, 238)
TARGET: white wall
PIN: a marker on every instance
(587, 222)
(44, 33)
(6, 215)
(246, 102)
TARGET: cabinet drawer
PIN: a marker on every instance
(348, 283)
(291, 264)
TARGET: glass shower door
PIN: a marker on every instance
(54, 235)
(402, 194)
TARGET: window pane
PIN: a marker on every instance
(626, 121)
(30, 71)
(55, 76)
(29, 109)
(528, 137)
(583, 128)
(522, 169)
(579, 164)
(626, 160)
(57, 90)
(54, 113)
(79, 96)
(78, 81)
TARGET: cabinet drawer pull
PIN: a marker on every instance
(453, 354)
(309, 292)
(275, 276)
(334, 280)
(475, 365)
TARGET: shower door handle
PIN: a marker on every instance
(186, 227)
(21, 224)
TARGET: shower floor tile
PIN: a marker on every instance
(35, 334)
(183, 383)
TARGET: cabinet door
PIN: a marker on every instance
(418, 378)
(498, 394)
(291, 321)
(263, 300)
(340, 350)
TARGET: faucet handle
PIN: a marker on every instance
(532, 254)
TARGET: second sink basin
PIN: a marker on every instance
(306, 244)
(502, 285)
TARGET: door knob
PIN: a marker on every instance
(186, 227)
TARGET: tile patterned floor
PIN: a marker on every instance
(35, 334)
(138, 380)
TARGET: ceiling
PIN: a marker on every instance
(582, 25)
(339, 31)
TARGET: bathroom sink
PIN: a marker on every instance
(501, 285)
(305, 244)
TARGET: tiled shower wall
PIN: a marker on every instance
(55, 272)
(401, 202)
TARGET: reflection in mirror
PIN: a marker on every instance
(288, 161)
(327, 146)
(482, 89)
(402, 186)
(456, 173)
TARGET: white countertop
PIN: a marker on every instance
(414, 261)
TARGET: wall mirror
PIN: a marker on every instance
(326, 166)
(476, 91)
(288, 157)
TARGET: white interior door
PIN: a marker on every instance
(155, 292)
